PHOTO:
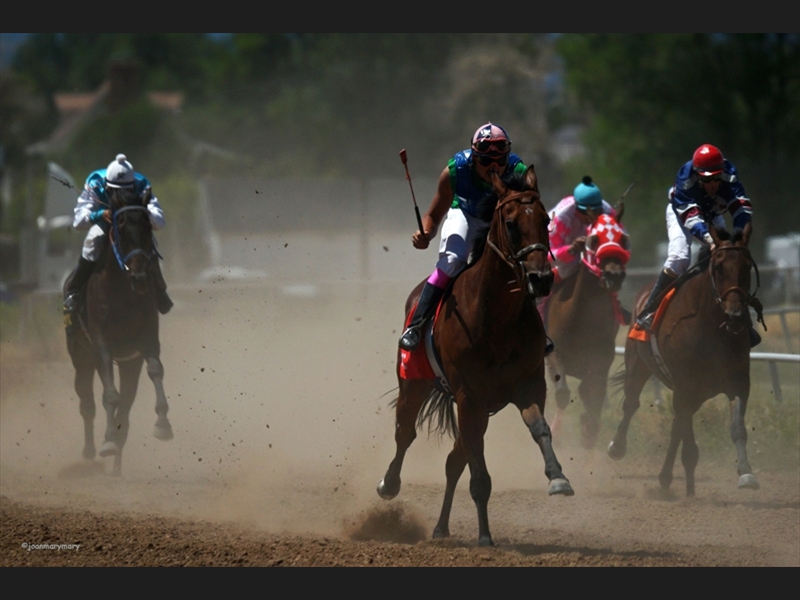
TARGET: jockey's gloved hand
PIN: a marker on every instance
(97, 216)
(578, 245)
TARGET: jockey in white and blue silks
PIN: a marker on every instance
(93, 213)
(705, 189)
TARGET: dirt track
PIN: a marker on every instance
(282, 431)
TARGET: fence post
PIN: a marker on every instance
(776, 382)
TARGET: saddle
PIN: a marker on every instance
(424, 362)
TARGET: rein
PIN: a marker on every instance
(123, 261)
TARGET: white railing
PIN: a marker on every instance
(772, 359)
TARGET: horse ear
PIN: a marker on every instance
(747, 232)
(620, 210)
(714, 235)
(625, 241)
(497, 184)
(531, 181)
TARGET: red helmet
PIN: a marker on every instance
(491, 139)
(707, 161)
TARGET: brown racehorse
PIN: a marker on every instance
(704, 347)
(583, 315)
(119, 324)
(491, 342)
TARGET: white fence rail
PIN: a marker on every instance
(772, 359)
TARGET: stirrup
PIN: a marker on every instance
(645, 321)
(755, 338)
(410, 339)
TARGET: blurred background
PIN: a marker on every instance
(257, 142)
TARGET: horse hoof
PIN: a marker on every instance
(748, 482)
(385, 493)
(616, 452)
(485, 540)
(561, 487)
(109, 449)
(163, 430)
(440, 533)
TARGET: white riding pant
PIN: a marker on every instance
(94, 243)
(679, 251)
(459, 232)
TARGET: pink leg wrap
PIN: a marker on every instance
(439, 279)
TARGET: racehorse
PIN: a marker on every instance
(491, 341)
(119, 324)
(699, 348)
(582, 317)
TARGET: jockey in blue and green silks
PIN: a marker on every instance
(463, 200)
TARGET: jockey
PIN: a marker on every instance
(460, 200)
(705, 188)
(569, 223)
(92, 212)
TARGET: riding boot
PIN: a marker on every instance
(163, 301)
(645, 320)
(73, 299)
(426, 306)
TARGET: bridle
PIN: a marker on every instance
(748, 297)
(123, 260)
(514, 259)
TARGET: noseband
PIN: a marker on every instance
(123, 261)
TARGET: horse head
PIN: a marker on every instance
(607, 253)
(519, 231)
(729, 268)
(132, 239)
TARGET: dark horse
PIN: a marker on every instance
(491, 342)
(703, 349)
(583, 316)
(119, 324)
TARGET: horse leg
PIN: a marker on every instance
(111, 399)
(636, 376)
(472, 425)
(155, 370)
(412, 393)
(533, 417)
(739, 436)
(84, 387)
(129, 372)
(543, 437)
(681, 431)
(690, 455)
(592, 392)
(454, 467)
(559, 379)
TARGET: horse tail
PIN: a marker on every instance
(439, 412)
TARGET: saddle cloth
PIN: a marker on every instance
(423, 363)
